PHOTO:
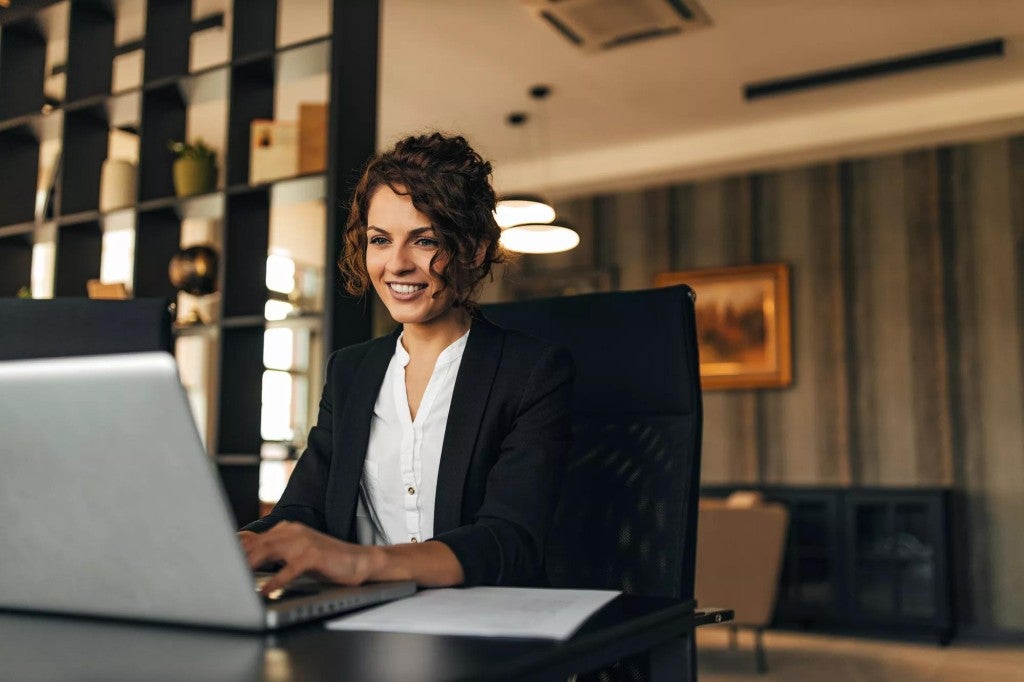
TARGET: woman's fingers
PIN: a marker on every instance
(291, 544)
(301, 549)
(289, 572)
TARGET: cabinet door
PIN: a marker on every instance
(896, 545)
(810, 588)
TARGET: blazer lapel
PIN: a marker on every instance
(469, 398)
(353, 434)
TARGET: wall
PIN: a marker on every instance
(908, 304)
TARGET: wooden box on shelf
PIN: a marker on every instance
(114, 291)
(312, 137)
(274, 150)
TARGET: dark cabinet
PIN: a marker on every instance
(865, 559)
(899, 558)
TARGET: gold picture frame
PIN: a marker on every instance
(743, 324)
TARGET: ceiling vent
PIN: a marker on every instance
(595, 25)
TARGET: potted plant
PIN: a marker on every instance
(195, 168)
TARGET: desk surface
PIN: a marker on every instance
(38, 647)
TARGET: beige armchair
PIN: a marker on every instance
(740, 542)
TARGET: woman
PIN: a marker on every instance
(438, 449)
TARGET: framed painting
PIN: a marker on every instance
(743, 324)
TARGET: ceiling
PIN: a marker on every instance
(673, 108)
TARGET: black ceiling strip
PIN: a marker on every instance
(924, 60)
(681, 9)
(641, 35)
(561, 28)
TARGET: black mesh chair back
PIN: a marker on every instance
(61, 327)
(627, 519)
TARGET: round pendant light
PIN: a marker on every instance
(521, 209)
(539, 238)
(527, 221)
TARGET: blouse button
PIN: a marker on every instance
(412, 490)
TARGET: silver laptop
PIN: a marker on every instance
(111, 507)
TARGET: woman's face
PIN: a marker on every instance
(399, 245)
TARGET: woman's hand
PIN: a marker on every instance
(304, 550)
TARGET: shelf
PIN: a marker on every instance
(184, 81)
(243, 321)
(143, 73)
(207, 205)
(293, 189)
(23, 121)
(309, 320)
(288, 190)
(197, 329)
(282, 50)
(72, 219)
(18, 229)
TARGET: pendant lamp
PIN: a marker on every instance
(519, 209)
(539, 238)
(529, 222)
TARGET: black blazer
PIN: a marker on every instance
(505, 444)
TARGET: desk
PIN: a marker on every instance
(39, 647)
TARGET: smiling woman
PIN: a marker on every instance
(401, 258)
(438, 449)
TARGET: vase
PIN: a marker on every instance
(193, 176)
(117, 184)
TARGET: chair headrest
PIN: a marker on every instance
(635, 351)
(80, 326)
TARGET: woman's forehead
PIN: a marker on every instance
(388, 209)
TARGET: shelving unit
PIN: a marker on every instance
(66, 106)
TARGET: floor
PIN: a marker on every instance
(799, 657)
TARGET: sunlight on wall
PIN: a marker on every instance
(275, 418)
(44, 255)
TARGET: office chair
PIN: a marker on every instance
(61, 327)
(627, 518)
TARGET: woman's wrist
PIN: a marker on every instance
(381, 563)
(430, 564)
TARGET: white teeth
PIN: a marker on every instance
(406, 288)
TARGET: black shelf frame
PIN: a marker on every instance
(16, 255)
(79, 248)
(22, 66)
(19, 148)
(156, 111)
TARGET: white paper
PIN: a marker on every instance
(483, 612)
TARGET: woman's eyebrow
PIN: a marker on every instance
(414, 232)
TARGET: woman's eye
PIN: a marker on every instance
(378, 240)
(427, 241)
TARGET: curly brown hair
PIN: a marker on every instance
(449, 183)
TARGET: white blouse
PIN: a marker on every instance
(396, 496)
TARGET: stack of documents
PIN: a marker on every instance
(483, 612)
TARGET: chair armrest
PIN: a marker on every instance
(712, 616)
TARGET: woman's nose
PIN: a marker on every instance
(400, 260)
